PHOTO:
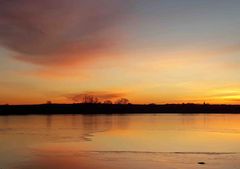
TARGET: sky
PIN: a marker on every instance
(165, 51)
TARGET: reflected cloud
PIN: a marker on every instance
(61, 160)
(57, 141)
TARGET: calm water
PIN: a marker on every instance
(120, 141)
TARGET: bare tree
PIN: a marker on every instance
(90, 99)
(107, 102)
(122, 101)
(49, 102)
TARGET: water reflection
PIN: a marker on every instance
(43, 141)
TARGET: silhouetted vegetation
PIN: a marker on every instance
(90, 99)
(49, 102)
(107, 102)
(122, 101)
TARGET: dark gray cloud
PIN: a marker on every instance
(47, 31)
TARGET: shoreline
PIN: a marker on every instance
(49, 109)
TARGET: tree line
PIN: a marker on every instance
(89, 99)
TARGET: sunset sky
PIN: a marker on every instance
(149, 51)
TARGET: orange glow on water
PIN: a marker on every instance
(90, 141)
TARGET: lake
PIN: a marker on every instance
(144, 141)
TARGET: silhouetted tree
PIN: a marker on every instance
(107, 102)
(90, 99)
(49, 102)
(122, 101)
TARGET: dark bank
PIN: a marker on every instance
(46, 109)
